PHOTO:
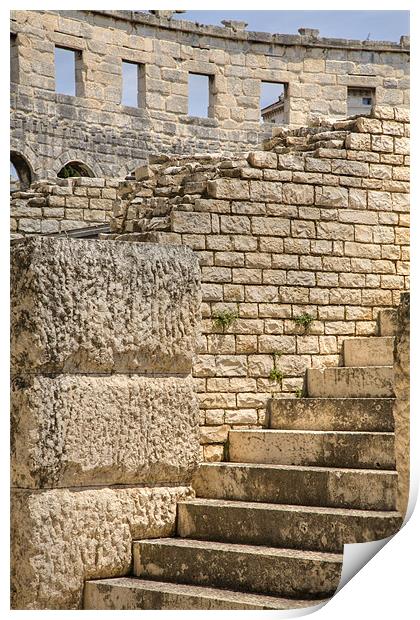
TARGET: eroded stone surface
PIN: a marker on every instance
(282, 572)
(126, 593)
(402, 403)
(72, 430)
(62, 537)
(96, 306)
(342, 414)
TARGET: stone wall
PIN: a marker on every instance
(59, 205)
(51, 129)
(314, 229)
(104, 416)
(402, 401)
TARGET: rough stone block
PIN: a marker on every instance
(185, 222)
(98, 306)
(262, 159)
(75, 430)
(296, 194)
(228, 189)
(62, 537)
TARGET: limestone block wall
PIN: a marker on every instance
(55, 206)
(50, 129)
(104, 416)
(402, 401)
(314, 226)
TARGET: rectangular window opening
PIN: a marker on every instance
(200, 95)
(360, 100)
(133, 84)
(68, 78)
(274, 103)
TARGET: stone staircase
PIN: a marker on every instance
(267, 528)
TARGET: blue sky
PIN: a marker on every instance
(381, 25)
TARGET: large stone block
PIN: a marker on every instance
(75, 430)
(62, 537)
(102, 306)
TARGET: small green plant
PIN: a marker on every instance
(224, 319)
(299, 392)
(276, 374)
(304, 320)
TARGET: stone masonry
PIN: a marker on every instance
(50, 129)
(316, 225)
(312, 229)
(104, 415)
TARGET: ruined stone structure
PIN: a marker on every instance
(300, 246)
(104, 416)
(50, 129)
(105, 447)
(210, 393)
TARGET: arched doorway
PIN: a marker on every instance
(20, 171)
(75, 169)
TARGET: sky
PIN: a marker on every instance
(373, 25)
(377, 25)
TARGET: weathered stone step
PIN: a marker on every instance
(263, 570)
(366, 489)
(370, 351)
(336, 414)
(275, 525)
(367, 382)
(134, 593)
(321, 448)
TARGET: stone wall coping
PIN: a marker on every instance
(307, 40)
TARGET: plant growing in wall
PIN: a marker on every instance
(276, 374)
(304, 320)
(224, 319)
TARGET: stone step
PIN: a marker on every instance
(387, 322)
(322, 448)
(365, 489)
(287, 526)
(336, 414)
(367, 382)
(370, 351)
(134, 593)
(288, 573)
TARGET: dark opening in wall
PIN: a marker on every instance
(68, 71)
(274, 103)
(200, 95)
(75, 169)
(20, 171)
(359, 100)
(133, 85)
(14, 58)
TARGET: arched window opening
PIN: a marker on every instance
(75, 169)
(20, 172)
